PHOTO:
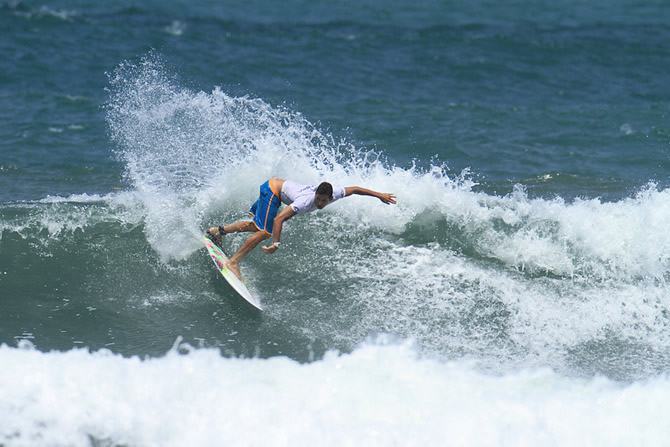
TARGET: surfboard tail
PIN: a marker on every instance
(219, 259)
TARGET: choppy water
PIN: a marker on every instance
(527, 259)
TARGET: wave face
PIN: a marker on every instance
(506, 281)
(197, 397)
(465, 272)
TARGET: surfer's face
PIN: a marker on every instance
(321, 200)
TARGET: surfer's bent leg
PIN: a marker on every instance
(216, 233)
(248, 245)
(241, 226)
(264, 211)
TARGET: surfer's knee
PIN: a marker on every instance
(255, 238)
(262, 235)
(249, 227)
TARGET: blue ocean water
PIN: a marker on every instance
(526, 261)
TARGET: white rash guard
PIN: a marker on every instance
(301, 197)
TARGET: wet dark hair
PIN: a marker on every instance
(325, 188)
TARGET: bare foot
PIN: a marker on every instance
(215, 235)
(235, 268)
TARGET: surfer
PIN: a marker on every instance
(267, 221)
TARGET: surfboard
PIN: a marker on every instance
(219, 259)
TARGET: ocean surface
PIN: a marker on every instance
(517, 294)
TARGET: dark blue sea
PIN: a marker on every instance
(517, 294)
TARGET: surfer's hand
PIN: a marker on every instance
(387, 198)
(269, 249)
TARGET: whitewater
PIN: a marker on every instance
(377, 395)
(457, 317)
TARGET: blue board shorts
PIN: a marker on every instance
(264, 210)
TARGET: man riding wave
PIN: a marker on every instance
(267, 221)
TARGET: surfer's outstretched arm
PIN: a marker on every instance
(385, 197)
(284, 215)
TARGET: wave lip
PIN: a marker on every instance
(377, 395)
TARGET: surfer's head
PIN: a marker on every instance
(324, 194)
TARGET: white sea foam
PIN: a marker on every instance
(455, 306)
(377, 395)
(192, 155)
(80, 198)
(60, 216)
